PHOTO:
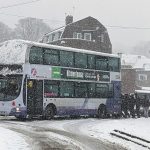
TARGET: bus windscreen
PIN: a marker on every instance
(10, 87)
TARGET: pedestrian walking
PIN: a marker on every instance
(146, 104)
(131, 104)
(138, 105)
(124, 105)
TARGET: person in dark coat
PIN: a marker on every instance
(146, 105)
(131, 104)
(124, 105)
(138, 105)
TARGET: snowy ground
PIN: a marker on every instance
(137, 127)
(9, 140)
(99, 129)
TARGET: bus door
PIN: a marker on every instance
(34, 97)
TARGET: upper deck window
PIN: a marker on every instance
(114, 64)
(102, 63)
(48, 56)
(66, 59)
(91, 62)
(36, 55)
(51, 57)
(80, 60)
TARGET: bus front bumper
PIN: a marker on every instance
(19, 112)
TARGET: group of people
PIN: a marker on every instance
(132, 105)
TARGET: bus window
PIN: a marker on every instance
(91, 62)
(51, 89)
(36, 55)
(101, 63)
(91, 89)
(24, 91)
(111, 91)
(51, 57)
(10, 88)
(101, 90)
(114, 64)
(66, 59)
(66, 89)
(80, 89)
(80, 60)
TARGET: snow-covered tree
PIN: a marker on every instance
(31, 29)
(5, 32)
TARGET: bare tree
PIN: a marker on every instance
(5, 32)
(31, 29)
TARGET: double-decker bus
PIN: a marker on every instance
(39, 79)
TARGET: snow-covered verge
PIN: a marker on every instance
(10, 140)
(137, 127)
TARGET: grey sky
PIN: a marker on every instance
(134, 13)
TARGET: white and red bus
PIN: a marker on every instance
(39, 79)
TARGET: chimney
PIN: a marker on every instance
(69, 19)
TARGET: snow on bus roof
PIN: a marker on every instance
(14, 51)
(71, 49)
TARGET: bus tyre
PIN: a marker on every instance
(49, 112)
(101, 111)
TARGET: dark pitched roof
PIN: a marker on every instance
(88, 19)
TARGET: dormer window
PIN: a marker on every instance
(53, 37)
(45, 39)
(77, 35)
(142, 77)
(87, 36)
(59, 34)
(102, 38)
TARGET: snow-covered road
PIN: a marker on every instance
(86, 134)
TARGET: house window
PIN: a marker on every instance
(45, 39)
(87, 36)
(59, 34)
(53, 37)
(142, 77)
(77, 35)
(102, 38)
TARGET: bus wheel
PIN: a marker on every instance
(101, 111)
(49, 112)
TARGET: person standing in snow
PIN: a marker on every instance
(131, 105)
(138, 105)
(146, 104)
(124, 105)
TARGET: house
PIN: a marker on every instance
(135, 73)
(87, 33)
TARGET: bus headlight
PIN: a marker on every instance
(17, 109)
